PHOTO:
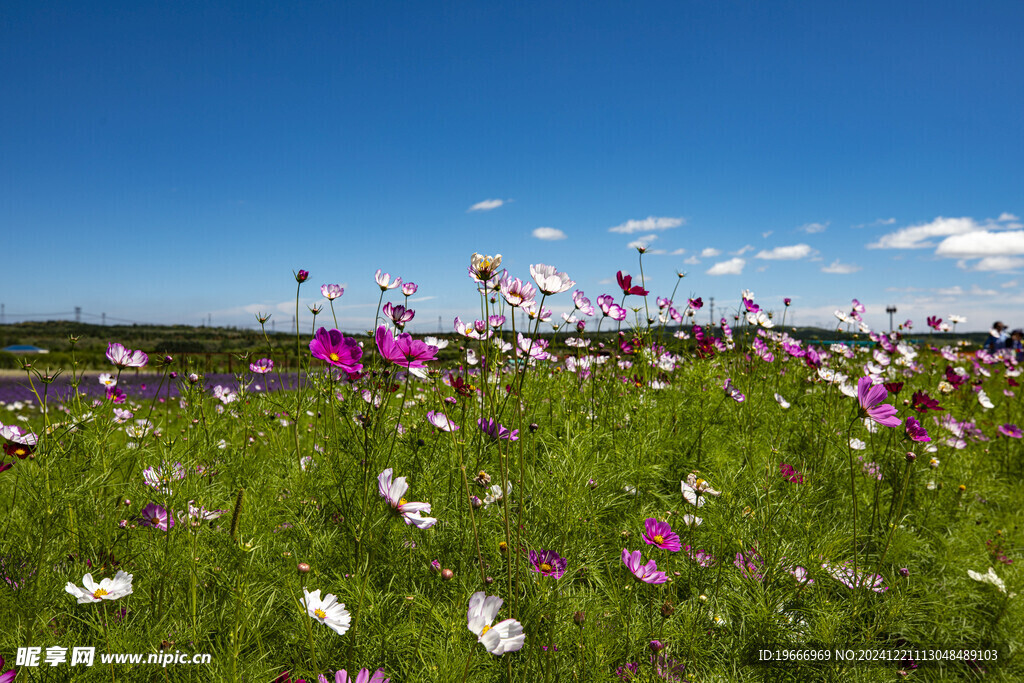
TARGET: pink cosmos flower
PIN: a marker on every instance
(115, 395)
(582, 303)
(156, 516)
(262, 366)
(660, 534)
(696, 304)
(409, 288)
(126, 358)
(441, 421)
(843, 573)
(392, 491)
(364, 676)
(732, 392)
(491, 428)
(648, 573)
(627, 286)
(337, 349)
(548, 563)
(331, 292)
(934, 322)
(384, 281)
(915, 431)
(403, 350)
(549, 280)
(399, 315)
(9, 675)
(517, 292)
(1010, 430)
(701, 557)
(301, 276)
(870, 398)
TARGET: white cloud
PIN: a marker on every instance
(548, 234)
(647, 224)
(998, 264)
(880, 221)
(1008, 285)
(950, 291)
(790, 253)
(710, 252)
(917, 236)
(692, 261)
(733, 266)
(837, 268)
(812, 228)
(488, 204)
(980, 243)
(743, 250)
(978, 291)
(656, 252)
(1004, 216)
(766, 234)
(678, 252)
(640, 242)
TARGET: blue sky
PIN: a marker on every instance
(166, 162)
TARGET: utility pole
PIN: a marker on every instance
(78, 314)
(3, 320)
(890, 310)
(103, 318)
(711, 309)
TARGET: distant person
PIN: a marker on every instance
(1016, 343)
(997, 337)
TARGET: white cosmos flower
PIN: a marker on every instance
(990, 577)
(108, 380)
(435, 342)
(985, 401)
(393, 490)
(328, 611)
(549, 280)
(848, 389)
(107, 589)
(505, 636)
(495, 494)
(782, 402)
(857, 444)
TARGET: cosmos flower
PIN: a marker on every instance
(331, 292)
(262, 366)
(694, 490)
(107, 589)
(870, 398)
(922, 402)
(9, 675)
(989, 577)
(328, 611)
(393, 490)
(337, 349)
(548, 563)
(107, 380)
(491, 428)
(844, 574)
(399, 314)
(915, 431)
(660, 534)
(126, 358)
(384, 281)
(1010, 430)
(626, 285)
(647, 573)
(781, 401)
(790, 474)
(409, 288)
(403, 350)
(505, 636)
(732, 392)
(364, 676)
(495, 495)
(483, 268)
(549, 280)
(159, 477)
(516, 292)
(441, 421)
(156, 516)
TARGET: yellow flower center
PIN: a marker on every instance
(485, 630)
(545, 567)
(333, 356)
(99, 593)
(659, 539)
(402, 501)
(320, 614)
(699, 484)
(155, 521)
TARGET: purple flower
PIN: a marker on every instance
(399, 314)
(331, 292)
(701, 557)
(403, 350)
(870, 396)
(660, 534)
(790, 474)
(409, 288)
(648, 573)
(156, 516)
(262, 366)
(364, 676)
(750, 564)
(491, 428)
(1010, 430)
(548, 563)
(116, 395)
(337, 349)
(915, 431)
(732, 392)
(301, 276)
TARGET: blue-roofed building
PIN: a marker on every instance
(23, 348)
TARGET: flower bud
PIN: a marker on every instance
(447, 574)
(303, 568)
(579, 618)
(911, 457)
(668, 609)
(655, 646)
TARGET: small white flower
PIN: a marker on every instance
(505, 636)
(781, 401)
(328, 611)
(985, 401)
(857, 444)
(990, 577)
(107, 589)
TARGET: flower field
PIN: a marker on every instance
(632, 497)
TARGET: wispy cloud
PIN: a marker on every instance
(789, 253)
(1009, 285)
(767, 233)
(995, 264)
(647, 224)
(548, 234)
(692, 260)
(875, 223)
(733, 266)
(642, 242)
(710, 252)
(1004, 216)
(488, 204)
(743, 250)
(837, 268)
(919, 236)
(812, 228)
(678, 252)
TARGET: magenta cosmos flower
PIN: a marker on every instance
(648, 573)
(337, 349)
(493, 429)
(399, 314)
(626, 285)
(870, 398)
(548, 563)
(364, 676)
(126, 358)
(660, 534)
(403, 350)
(1010, 430)
(262, 366)
(156, 516)
(915, 431)
(9, 675)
